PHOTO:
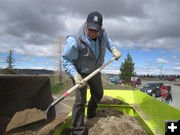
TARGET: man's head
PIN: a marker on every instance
(93, 24)
(94, 21)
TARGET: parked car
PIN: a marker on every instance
(152, 89)
(121, 81)
(114, 80)
(171, 79)
(137, 82)
(163, 78)
(111, 80)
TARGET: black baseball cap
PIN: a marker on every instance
(94, 21)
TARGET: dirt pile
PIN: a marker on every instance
(24, 117)
(33, 122)
(113, 122)
(110, 100)
(109, 121)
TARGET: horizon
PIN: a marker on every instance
(115, 74)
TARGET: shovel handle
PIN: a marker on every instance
(77, 85)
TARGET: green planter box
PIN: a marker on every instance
(150, 112)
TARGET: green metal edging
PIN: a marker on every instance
(123, 108)
(156, 112)
(67, 124)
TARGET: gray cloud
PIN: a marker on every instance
(110, 9)
(136, 24)
(33, 21)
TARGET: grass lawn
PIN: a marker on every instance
(56, 89)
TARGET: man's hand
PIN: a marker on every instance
(78, 78)
(116, 53)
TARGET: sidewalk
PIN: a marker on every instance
(64, 106)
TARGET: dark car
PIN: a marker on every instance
(152, 89)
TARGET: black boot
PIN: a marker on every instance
(91, 113)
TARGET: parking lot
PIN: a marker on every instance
(175, 90)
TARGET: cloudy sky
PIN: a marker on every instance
(146, 29)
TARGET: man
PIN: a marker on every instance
(168, 97)
(84, 52)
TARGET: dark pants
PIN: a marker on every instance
(96, 90)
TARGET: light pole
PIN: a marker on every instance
(161, 69)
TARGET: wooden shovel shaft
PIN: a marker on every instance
(77, 85)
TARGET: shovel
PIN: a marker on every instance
(77, 86)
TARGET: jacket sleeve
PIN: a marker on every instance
(110, 45)
(69, 56)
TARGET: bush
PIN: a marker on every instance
(9, 71)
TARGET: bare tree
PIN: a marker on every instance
(60, 65)
(60, 72)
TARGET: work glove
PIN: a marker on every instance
(116, 53)
(78, 78)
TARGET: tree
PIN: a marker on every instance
(10, 60)
(127, 69)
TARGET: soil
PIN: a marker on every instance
(110, 100)
(20, 123)
(112, 122)
(107, 122)
(25, 117)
